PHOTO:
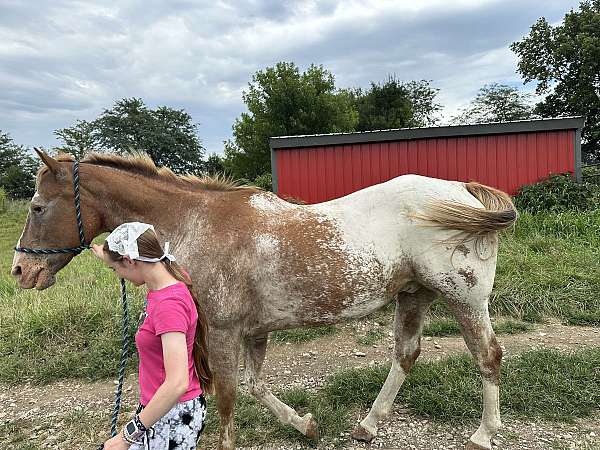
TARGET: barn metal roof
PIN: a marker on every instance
(519, 126)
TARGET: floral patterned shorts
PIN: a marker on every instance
(179, 429)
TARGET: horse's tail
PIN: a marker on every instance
(498, 213)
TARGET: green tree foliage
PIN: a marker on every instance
(283, 101)
(167, 135)
(496, 103)
(17, 169)
(565, 61)
(214, 165)
(78, 139)
(393, 104)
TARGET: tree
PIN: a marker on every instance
(496, 103)
(214, 165)
(394, 104)
(282, 101)
(167, 135)
(79, 139)
(565, 61)
(17, 169)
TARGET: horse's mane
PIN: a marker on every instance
(142, 164)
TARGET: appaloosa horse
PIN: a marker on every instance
(263, 264)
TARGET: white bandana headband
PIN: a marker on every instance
(123, 240)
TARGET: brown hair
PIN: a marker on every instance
(149, 247)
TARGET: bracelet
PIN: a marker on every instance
(139, 423)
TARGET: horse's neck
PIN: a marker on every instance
(121, 198)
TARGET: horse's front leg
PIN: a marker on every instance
(224, 363)
(255, 354)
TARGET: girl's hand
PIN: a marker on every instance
(98, 250)
(116, 443)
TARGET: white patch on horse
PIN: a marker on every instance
(268, 202)
(17, 254)
(266, 244)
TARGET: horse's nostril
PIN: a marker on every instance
(16, 271)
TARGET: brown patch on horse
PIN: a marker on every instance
(492, 362)
(469, 276)
(401, 274)
(407, 361)
(488, 358)
(409, 316)
(300, 251)
(463, 249)
(341, 281)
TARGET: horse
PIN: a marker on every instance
(264, 264)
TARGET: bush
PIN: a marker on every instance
(558, 193)
(264, 181)
(591, 175)
(2, 200)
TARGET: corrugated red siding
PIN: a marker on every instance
(504, 161)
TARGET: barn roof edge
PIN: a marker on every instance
(520, 126)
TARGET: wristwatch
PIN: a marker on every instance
(134, 430)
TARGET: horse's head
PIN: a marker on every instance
(51, 224)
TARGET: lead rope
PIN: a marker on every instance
(125, 347)
(124, 353)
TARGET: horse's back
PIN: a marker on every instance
(407, 192)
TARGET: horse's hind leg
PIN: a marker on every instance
(474, 321)
(255, 354)
(408, 325)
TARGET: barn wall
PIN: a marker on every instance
(504, 161)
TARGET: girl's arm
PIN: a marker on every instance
(176, 382)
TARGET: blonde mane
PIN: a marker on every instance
(142, 164)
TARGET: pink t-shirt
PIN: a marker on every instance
(168, 309)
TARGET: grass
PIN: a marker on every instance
(548, 267)
(443, 326)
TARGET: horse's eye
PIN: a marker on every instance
(37, 209)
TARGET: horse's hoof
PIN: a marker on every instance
(473, 446)
(360, 433)
(312, 428)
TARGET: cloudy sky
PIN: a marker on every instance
(66, 60)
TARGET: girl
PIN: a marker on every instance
(171, 343)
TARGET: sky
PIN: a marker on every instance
(61, 60)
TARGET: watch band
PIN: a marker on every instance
(132, 432)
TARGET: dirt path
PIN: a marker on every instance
(46, 416)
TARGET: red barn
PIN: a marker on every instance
(321, 167)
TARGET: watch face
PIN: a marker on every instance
(131, 428)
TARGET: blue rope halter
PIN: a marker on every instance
(77, 250)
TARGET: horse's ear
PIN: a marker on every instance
(50, 162)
